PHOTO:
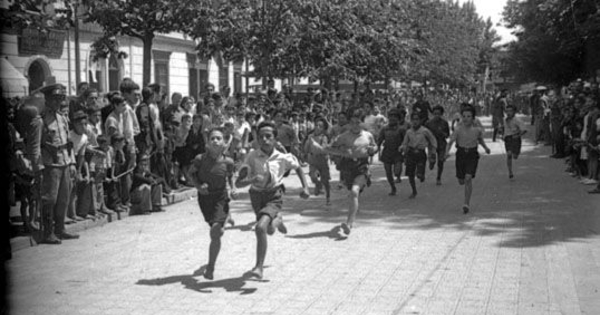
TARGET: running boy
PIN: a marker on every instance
(318, 162)
(211, 173)
(264, 169)
(355, 146)
(391, 136)
(441, 130)
(467, 137)
(513, 128)
(417, 139)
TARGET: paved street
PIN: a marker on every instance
(530, 246)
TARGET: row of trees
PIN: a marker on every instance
(557, 40)
(357, 40)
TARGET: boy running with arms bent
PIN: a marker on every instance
(264, 169)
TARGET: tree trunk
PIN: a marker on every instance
(147, 59)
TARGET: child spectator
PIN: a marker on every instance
(146, 189)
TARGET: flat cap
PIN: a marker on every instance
(53, 89)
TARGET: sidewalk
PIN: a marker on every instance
(529, 246)
(20, 240)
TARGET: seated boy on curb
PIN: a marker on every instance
(211, 173)
(264, 169)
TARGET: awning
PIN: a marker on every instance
(13, 82)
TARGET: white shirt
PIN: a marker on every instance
(271, 167)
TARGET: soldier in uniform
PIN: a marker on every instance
(58, 162)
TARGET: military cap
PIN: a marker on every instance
(53, 89)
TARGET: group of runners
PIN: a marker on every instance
(413, 143)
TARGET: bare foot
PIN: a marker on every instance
(209, 273)
(346, 228)
(278, 223)
(412, 196)
(257, 272)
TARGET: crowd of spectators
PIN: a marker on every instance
(131, 147)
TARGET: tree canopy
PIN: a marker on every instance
(554, 39)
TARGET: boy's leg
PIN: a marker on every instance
(421, 164)
(359, 182)
(261, 245)
(216, 232)
(390, 177)
(509, 159)
(398, 171)
(468, 192)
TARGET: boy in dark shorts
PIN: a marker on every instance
(417, 139)
(513, 129)
(211, 173)
(317, 161)
(467, 137)
(264, 169)
(354, 146)
(441, 130)
(391, 136)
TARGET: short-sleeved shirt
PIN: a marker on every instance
(286, 135)
(513, 126)
(440, 129)
(80, 142)
(419, 139)
(55, 132)
(316, 158)
(467, 137)
(358, 143)
(213, 172)
(392, 137)
(272, 167)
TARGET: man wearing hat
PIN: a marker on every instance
(58, 164)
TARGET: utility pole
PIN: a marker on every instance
(77, 51)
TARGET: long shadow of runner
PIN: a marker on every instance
(190, 283)
(334, 234)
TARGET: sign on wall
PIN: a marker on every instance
(33, 42)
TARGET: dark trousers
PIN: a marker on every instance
(56, 189)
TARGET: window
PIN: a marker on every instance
(161, 70)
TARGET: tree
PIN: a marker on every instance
(553, 38)
(139, 19)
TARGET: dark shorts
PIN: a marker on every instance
(214, 207)
(267, 202)
(391, 157)
(415, 162)
(321, 169)
(441, 149)
(512, 145)
(350, 169)
(466, 162)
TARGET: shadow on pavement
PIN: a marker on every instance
(333, 234)
(191, 283)
(541, 206)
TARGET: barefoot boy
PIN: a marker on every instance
(264, 169)
(513, 130)
(391, 136)
(211, 173)
(417, 139)
(467, 137)
(317, 161)
(355, 146)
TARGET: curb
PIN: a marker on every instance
(21, 242)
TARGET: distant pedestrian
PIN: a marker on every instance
(467, 137)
